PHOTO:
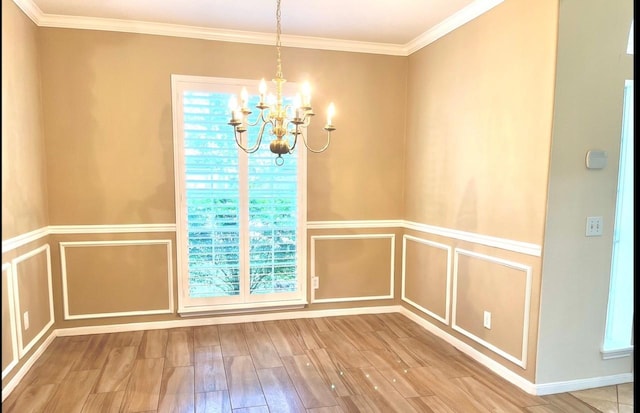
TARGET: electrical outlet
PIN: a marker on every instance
(487, 320)
(26, 320)
(316, 282)
(594, 227)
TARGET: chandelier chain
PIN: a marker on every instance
(278, 42)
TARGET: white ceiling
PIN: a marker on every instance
(378, 26)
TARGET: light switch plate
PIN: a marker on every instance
(594, 227)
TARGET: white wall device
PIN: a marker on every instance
(596, 159)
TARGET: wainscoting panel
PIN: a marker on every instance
(33, 296)
(352, 267)
(9, 328)
(426, 273)
(483, 283)
(116, 278)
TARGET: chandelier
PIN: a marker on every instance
(278, 119)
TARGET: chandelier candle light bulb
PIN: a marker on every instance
(262, 89)
(279, 119)
(233, 106)
(297, 105)
(330, 112)
(306, 93)
(244, 98)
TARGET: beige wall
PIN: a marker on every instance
(24, 192)
(479, 124)
(111, 162)
(479, 116)
(24, 189)
(591, 71)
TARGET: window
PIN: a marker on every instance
(619, 325)
(241, 219)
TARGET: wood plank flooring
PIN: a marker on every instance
(367, 363)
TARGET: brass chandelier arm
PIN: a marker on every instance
(324, 148)
(255, 147)
(295, 134)
(259, 118)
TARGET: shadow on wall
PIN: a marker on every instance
(154, 202)
(467, 218)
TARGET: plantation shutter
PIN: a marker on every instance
(241, 222)
(212, 189)
(273, 220)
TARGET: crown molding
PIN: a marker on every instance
(30, 9)
(463, 16)
(449, 24)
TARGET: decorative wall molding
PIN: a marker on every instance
(386, 223)
(392, 239)
(23, 239)
(470, 12)
(22, 348)
(502, 243)
(6, 267)
(89, 244)
(404, 298)
(522, 360)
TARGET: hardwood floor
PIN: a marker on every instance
(366, 363)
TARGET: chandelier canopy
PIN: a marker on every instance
(279, 119)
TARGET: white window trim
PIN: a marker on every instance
(613, 345)
(192, 306)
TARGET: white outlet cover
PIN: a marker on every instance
(487, 320)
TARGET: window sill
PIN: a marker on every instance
(239, 309)
(616, 353)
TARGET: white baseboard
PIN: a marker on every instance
(510, 376)
(583, 384)
(497, 368)
(15, 380)
(227, 319)
(486, 361)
